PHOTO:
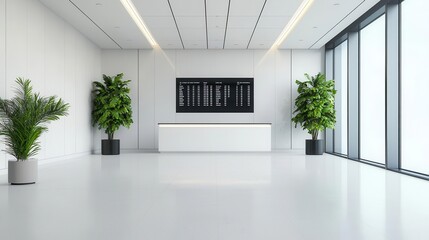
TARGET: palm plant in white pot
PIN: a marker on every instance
(22, 121)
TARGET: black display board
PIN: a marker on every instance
(214, 95)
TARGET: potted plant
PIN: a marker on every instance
(315, 110)
(22, 121)
(111, 109)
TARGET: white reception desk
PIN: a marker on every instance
(214, 137)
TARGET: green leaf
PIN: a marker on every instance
(23, 119)
(111, 104)
(315, 109)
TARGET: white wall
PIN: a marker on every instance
(153, 74)
(37, 44)
(2, 68)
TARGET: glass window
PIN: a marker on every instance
(340, 77)
(414, 85)
(372, 91)
(329, 70)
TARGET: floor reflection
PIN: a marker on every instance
(279, 195)
(214, 169)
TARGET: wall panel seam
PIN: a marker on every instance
(138, 99)
(154, 98)
(5, 68)
(174, 83)
(275, 100)
(253, 68)
(291, 98)
(64, 89)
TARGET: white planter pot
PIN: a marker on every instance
(22, 172)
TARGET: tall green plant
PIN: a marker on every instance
(315, 104)
(112, 104)
(23, 119)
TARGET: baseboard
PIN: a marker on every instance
(288, 150)
(54, 159)
(280, 150)
(98, 151)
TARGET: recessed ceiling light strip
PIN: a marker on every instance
(94, 23)
(300, 12)
(251, 37)
(175, 22)
(226, 25)
(132, 11)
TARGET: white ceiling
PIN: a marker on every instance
(209, 24)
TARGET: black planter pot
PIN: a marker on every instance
(110, 147)
(314, 147)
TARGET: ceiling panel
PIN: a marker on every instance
(152, 8)
(216, 34)
(165, 34)
(261, 45)
(274, 18)
(273, 22)
(217, 8)
(191, 22)
(217, 11)
(111, 16)
(70, 13)
(238, 34)
(167, 38)
(266, 34)
(242, 22)
(243, 8)
(168, 44)
(121, 34)
(215, 44)
(216, 22)
(328, 34)
(324, 20)
(282, 7)
(264, 38)
(198, 34)
(239, 44)
(311, 28)
(188, 8)
(194, 44)
(159, 22)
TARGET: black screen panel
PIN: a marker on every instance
(214, 95)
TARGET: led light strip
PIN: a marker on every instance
(300, 12)
(213, 125)
(132, 11)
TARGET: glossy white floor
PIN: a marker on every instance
(215, 196)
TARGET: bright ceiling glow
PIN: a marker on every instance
(132, 11)
(300, 12)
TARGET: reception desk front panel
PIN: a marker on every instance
(214, 137)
